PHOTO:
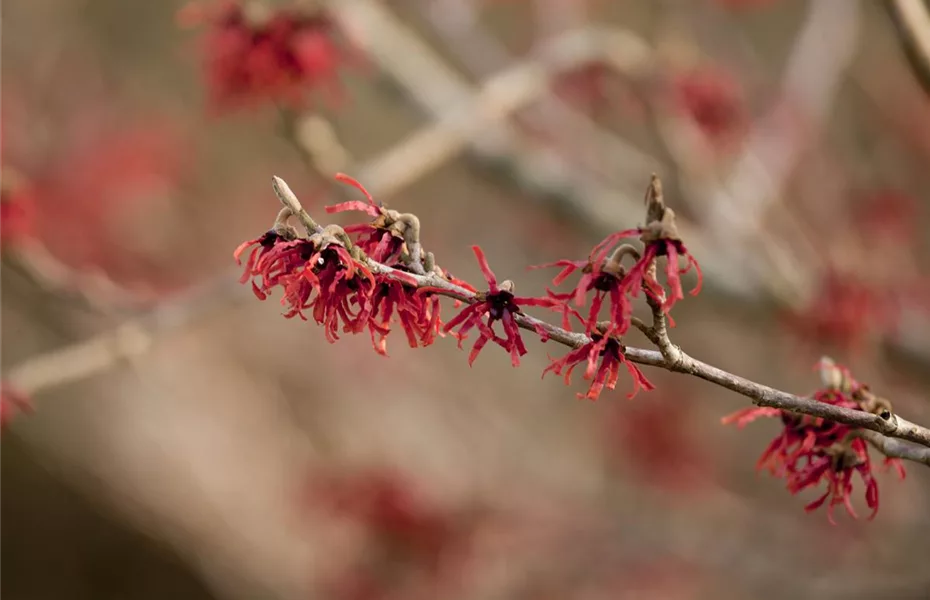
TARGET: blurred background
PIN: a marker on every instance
(180, 439)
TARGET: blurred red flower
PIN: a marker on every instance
(655, 440)
(12, 403)
(845, 312)
(254, 53)
(416, 545)
(89, 194)
(712, 98)
(17, 209)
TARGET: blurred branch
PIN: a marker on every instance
(455, 103)
(476, 119)
(912, 19)
(92, 289)
(824, 48)
(126, 342)
(821, 55)
(76, 362)
(618, 161)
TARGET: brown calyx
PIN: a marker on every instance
(660, 219)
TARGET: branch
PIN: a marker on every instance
(673, 359)
(126, 342)
(893, 448)
(761, 395)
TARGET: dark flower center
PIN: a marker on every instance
(501, 302)
(604, 282)
(613, 349)
(269, 239)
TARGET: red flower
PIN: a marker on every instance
(316, 273)
(610, 352)
(888, 212)
(336, 287)
(606, 278)
(95, 188)
(838, 470)
(418, 314)
(12, 402)
(499, 304)
(661, 239)
(414, 531)
(656, 441)
(277, 56)
(261, 247)
(382, 239)
(845, 311)
(17, 209)
(811, 450)
(713, 99)
(672, 250)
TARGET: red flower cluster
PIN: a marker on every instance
(811, 450)
(336, 274)
(616, 286)
(604, 274)
(253, 53)
(383, 238)
(321, 275)
(341, 292)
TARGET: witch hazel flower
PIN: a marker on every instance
(317, 273)
(661, 238)
(384, 238)
(603, 356)
(255, 53)
(836, 466)
(606, 279)
(497, 304)
(257, 263)
(418, 314)
(336, 287)
(614, 284)
(811, 451)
